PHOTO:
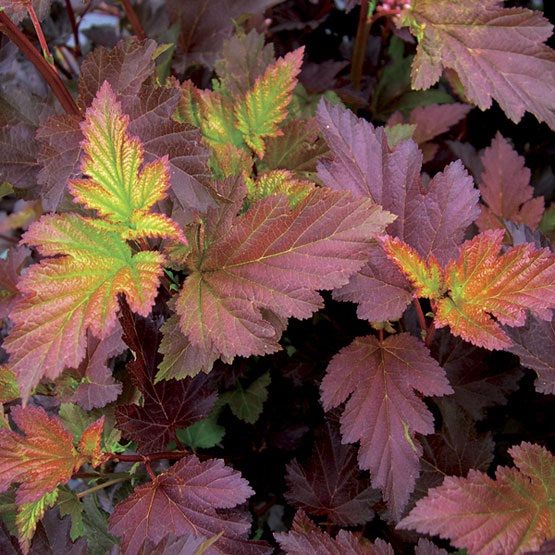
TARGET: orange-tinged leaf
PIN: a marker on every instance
(74, 291)
(276, 182)
(38, 460)
(426, 277)
(512, 514)
(483, 283)
(264, 107)
(90, 444)
(118, 186)
(482, 288)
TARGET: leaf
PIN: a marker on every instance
(278, 182)
(38, 460)
(18, 155)
(247, 404)
(205, 433)
(510, 514)
(426, 547)
(379, 381)
(28, 515)
(128, 68)
(8, 385)
(184, 501)
(10, 270)
(90, 444)
(245, 280)
(329, 484)
(204, 29)
(117, 188)
(166, 406)
(305, 538)
(483, 284)
(53, 536)
(505, 189)
(73, 291)
(534, 344)
(431, 220)
(264, 106)
(436, 119)
(171, 545)
(17, 9)
(496, 52)
(98, 387)
(181, 357)
(70, 505)
(243, 59)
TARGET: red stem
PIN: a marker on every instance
(428, 330)
(74, 27)
(40, 35)
(133, 19)
(54, 81)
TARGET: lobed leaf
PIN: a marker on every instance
(512, 514)
(496, 53)
(379, 380)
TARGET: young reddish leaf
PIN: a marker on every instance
(496, 53)
(10, 270)
(383, 412)
(505, 189)
(74, 290)
(90, 444)
(534, 344)
(184, 501)
(244, 58)
(98, 387)
(38, 460)
(305, 538)
(264, 107)
(482, 285)
(246, 280)
(431, 220)
(117, 188)
(330, 484)
(510, 514)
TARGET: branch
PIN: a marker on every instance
(74, 27)
(54, 81)
(359, 50)
(133, 19)
(146, 459)
(40, 35)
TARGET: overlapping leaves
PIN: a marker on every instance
(482, 288)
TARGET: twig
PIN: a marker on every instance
(98, 487)
(429, 331)
(359, 50)
(40, 35)
(54, 81)
(133, 19)
(159, 456)
(74, 27)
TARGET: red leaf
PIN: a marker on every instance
(90, 444)
(432, 220)
(510, 514)
(505, 189)
(330, 484)
(497, 53)
(383, 412)
(305, 538)
(184, 501)
(534, 344)
(98, 387)
(246, 280)
(38, 460)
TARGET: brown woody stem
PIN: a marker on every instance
(359, 51)
(54, 81)
(133, 19)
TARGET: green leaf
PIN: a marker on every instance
(247, 404)
(69, 504)
(205, 433)
(264, 107)
(99, 540)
